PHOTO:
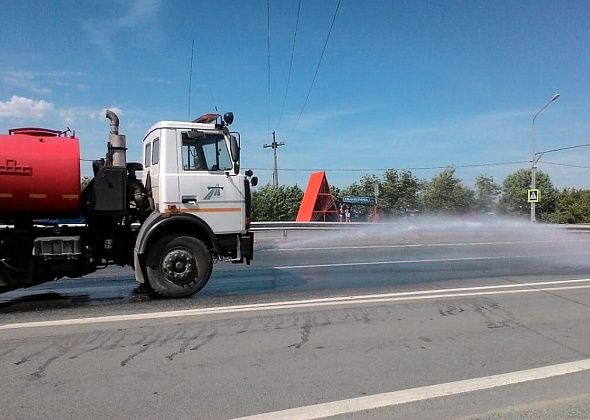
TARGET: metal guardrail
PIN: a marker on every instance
(262, 226)
(259, 226)
(577, 226)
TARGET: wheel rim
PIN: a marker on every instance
(179, 266)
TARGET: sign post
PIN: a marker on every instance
(375, 211)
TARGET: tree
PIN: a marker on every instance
(446, 194)
(514, 194)
(84, 182)
(364, 188)
(486, 193)
(573, 206)
(280, 203)
(336, 192)
(399, 192)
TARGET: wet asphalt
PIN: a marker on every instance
(291, 265)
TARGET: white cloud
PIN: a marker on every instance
(138, 13)
(23, 80)
(37, 82)
(310, 120)
(68, 115)
(75, 115)
(101, 113)
(104, 32)
(157, 80)
(19, 107)
(29, 108)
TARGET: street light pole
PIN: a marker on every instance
(535, 159)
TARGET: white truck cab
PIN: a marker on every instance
(195, 174)
(192, 174)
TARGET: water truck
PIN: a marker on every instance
(190, 208)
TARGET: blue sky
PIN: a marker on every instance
(403, 84)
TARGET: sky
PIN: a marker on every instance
(401, 84)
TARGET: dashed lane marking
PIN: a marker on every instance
(433, 260)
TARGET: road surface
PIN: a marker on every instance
(453, 320)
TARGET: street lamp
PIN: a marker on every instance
(535, 159)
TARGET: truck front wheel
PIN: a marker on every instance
(178, 266)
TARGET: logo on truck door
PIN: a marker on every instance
(213, 192)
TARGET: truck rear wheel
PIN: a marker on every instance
(178, 266)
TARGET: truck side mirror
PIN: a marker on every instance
(254, 181)
(228, 117)
(235, 149)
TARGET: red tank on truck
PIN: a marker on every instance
(190, 207)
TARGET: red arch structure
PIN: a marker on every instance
(318, 204)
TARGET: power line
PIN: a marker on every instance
(318, 66)
(290, 63)
(559, 149)
(569, 165)
(475, 165)
(562, 148)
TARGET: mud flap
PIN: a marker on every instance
(137, 268)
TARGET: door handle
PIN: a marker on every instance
(189, 199)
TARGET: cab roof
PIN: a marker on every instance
(186, 125)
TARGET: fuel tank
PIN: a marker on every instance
(39, 173)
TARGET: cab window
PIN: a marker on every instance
(147, 155)
(156, 151)
(205, 154)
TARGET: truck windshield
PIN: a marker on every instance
(208, 154)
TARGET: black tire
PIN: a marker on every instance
(178, 266)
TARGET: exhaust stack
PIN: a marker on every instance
(117, 155)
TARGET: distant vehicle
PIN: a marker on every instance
(191, 208)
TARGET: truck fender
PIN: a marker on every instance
(157, 223)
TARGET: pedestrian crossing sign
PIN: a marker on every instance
(534, 196)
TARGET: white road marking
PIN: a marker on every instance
(313, 303)
(389, 399)
(433, 260)
(450, 244)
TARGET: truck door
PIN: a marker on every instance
(151, 165)
(207, 186)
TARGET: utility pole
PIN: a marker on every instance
(274, 145)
